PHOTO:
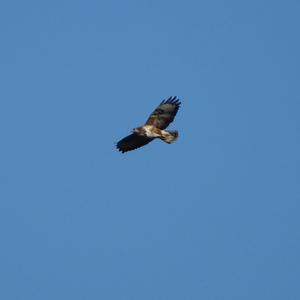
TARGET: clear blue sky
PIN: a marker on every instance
(213, 216)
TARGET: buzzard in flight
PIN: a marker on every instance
(159, 120)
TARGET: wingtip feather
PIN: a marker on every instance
(171, 100)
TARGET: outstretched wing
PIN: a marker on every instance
(165, 113)
(132, 142)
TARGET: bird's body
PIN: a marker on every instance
(154, 132)
(154, 128)
(148, 130)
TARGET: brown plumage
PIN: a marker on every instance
(159, 120)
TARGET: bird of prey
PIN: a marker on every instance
(159, 120)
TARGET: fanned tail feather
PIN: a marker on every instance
(169, 136)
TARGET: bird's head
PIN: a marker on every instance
(138, 130)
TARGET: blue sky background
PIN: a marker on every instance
(213, 216)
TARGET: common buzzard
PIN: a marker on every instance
(159, 120)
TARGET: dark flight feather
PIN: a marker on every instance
(165, 113)
(132, 141)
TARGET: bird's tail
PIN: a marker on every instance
(169, 136)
